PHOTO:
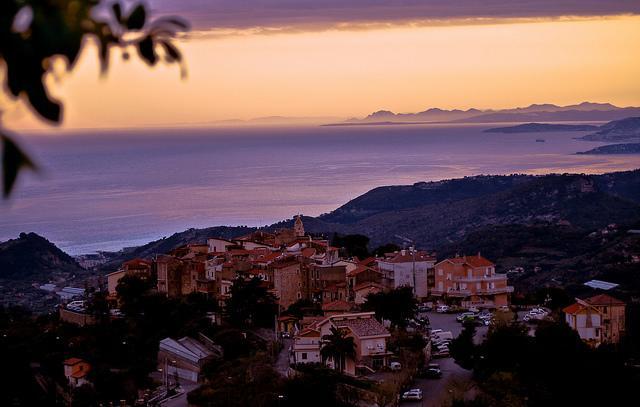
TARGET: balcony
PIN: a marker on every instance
(497, 290)
(494, 278)
(467, 292)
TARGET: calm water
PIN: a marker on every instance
(106, 190)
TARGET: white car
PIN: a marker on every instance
(395, 366)
(413, 394)
(442, 308)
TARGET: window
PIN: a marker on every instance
(440, 272)
(304, 356)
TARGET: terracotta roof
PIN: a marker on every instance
(72, 361)
(81, 373)
(137, 263)
(473, 261)
(367, 284)
(338, 305)
(287, 318)
(478, 261)
(360, 269)
(363, 327)
(573, 308)
(604, 299)
(368, 261)
(309, 332)
(308, 252)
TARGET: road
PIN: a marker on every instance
(447, 322)
(436, 391)
(181, 399)
(282, 361)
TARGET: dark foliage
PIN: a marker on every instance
(387, 248)
(462, 347)
(251, 304)
(352, 245)
(554, 367)
(397, 305)
(32, 32)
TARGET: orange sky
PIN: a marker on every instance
(344, 73)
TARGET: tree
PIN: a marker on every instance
(397, 305)
(251, 304)
(315, 379)
(462, 347)
(352, 245)
(304, 307)
(337, 347)
(98, 307)
(387, 248)
(34, 32)
(131, 290)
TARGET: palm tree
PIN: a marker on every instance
(337, 346)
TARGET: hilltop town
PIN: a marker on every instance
(296, 310)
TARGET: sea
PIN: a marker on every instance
(109, 189)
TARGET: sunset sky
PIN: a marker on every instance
(348, 58)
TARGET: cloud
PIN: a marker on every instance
(270, 15)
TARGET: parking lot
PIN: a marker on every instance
(435, 391)
(447, 322)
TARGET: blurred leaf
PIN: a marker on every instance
(172, 51)
(137, 18)
(176, 21)
(117, 11)
(147, 51)
(13, 160)
(41, 102)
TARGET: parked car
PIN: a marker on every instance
(442, 335)
(395, 366)
(465, 315)
(412, 395)
(535, 314)
(441, 354)
(442, 308)
(485, 315)
(474, 310)
(431, 371)
(424, 308)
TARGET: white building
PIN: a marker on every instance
(408, 268)
(217, 245)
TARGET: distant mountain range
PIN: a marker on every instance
(617, 131)
(628, 148)
(541, 128)
(585, 111)
(627, 129)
